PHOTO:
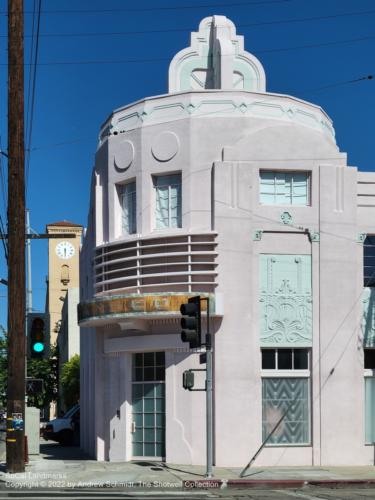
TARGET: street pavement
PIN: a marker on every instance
(65, 472)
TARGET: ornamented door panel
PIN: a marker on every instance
(148, 405)
(285, 301)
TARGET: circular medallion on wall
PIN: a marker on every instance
(165, 146)
(123, 155)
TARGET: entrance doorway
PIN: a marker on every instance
(148, 405)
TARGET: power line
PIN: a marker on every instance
(3, 182)
(315, 45)
(162, 8)
(339, 84)
(79, 140)
(161, 59)
(29, 76)
(188, 30)
(33, 72)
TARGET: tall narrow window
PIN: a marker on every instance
(168, 200)
(369, 261)
(286, 396)
(284, 188)
(128, 204)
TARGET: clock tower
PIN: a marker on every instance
(63, 269)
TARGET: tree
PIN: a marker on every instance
(70, 374)
(45, 369)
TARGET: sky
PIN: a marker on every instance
(95, 56)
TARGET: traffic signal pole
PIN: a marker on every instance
(209, 406)
(15, 459)
(191, 323)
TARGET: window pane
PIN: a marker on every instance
(168, 200)
(128, 204)
(138, 434)
(159, 450)
(149, 374)
(137, 391)
(370, 358)
(301, 359)
(149, 359)
(160, 420)
(137, 405)
(149, 450)
(149, 435)
(369, 261)
(137, 449)
(286, 399)
(160, 435)
(284, 359)
(138, 419)
(160, 358)
(268, 359)
(138, 374)
(138, 359)
(149, 405)
(162, 207)
(370, 409)
(149, 420)
(284, 188)
(300, 189)
(148, 390)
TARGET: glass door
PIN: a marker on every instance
(148, 405)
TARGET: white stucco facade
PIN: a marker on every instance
(215, 134)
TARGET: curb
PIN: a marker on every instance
(275, 483)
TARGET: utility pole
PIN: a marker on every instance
(16, 242)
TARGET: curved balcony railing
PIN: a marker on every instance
(180, 263)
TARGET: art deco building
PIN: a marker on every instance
(222, 189)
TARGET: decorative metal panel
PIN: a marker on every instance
(289, 397)
(285, 301)
(368, 317)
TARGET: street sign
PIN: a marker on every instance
(34, 386)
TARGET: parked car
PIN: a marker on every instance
(65, 429)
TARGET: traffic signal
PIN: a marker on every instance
(191, 322)
(188, 380)
(37, 338)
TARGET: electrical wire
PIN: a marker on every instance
(79, 140)
(3, 182)
(34, 73)
(161, 59)
(188, 30)
(162, 8)
(30, 76)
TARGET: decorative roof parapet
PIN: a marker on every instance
(216, 59)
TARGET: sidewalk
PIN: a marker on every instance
(68, 468)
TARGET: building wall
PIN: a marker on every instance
(220, 140)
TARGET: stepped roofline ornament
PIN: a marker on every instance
(216, 59)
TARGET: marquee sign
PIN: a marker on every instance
(135, 305)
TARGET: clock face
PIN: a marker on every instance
(65, 250)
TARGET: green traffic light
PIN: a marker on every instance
(38, 347)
